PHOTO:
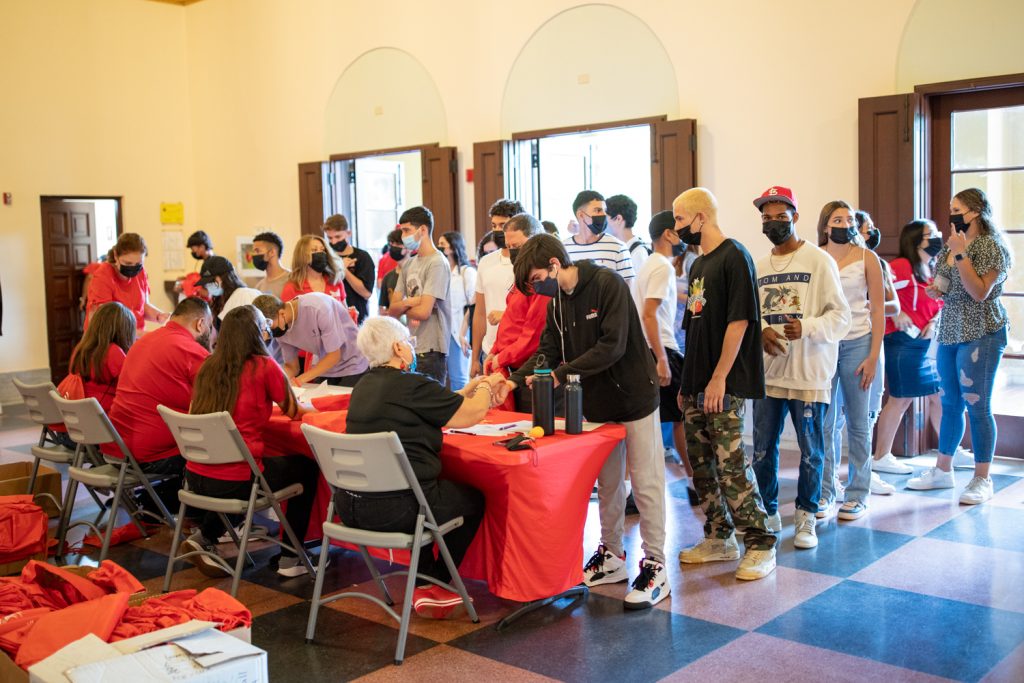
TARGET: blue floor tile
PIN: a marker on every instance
(933, 635)
(843, 550)
(607, 641)
(987, 525)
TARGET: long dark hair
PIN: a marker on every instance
(975, 200)
(458, 245)
(910, 238)
(111, 323)
(219, 379)
(229, 283)
(488, 237)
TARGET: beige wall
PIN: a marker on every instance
(215, 104)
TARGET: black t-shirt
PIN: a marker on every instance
(363, 269)
(412, 405)
(387, 285)
(722, 290)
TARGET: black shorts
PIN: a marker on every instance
(669, 410)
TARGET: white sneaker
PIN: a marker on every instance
(880, 486)
(963, 459)
(254, 530)
(806, 535)
(775, 523)
(978, 491)
(851, 510)
(711, 550)
(825, 509)
(932, 478)
(756, 564)
(890, 465)
(604, 567)
(650, 587)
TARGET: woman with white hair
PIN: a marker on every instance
(393, 397)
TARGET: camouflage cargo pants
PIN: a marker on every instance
(723, 475)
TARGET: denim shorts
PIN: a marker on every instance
(909, 370)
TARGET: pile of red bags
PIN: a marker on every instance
(22, 528)
(47, 608)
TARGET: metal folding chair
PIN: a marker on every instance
(375, 463)
(88, 426)
(213, 439)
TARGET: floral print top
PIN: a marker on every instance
(964, 319)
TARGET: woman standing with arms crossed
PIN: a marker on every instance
(861, 277)
(972, 268)
(315, 268)
(463, 291)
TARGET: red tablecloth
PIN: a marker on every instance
(529, 545)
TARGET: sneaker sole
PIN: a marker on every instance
(892, 470)
(805, 545)
(883, 492)
(753, 576)
(614, 577)
(930, 488)
(439, 609)
(974, 502)
(849, 517)
(261, 530)
(720, 557)
(647, 604)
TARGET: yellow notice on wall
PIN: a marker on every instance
(172, 213)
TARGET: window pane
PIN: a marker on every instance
(988, 138)
(1015, 312)
(1008, 392)
(1015, 278)
(1005, 191)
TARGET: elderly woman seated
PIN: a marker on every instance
(393, 397)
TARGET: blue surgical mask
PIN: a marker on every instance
(213, 289)
(410, 242)
(546, 287)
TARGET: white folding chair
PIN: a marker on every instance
(88, 426)
(376, 463)
(213, 439)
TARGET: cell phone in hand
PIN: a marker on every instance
(726, 402)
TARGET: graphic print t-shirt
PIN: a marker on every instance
(722, 290)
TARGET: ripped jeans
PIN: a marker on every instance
(966, 376)
(769, 420)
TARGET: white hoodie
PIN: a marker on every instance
(804, 284)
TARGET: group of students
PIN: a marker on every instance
(801, 332)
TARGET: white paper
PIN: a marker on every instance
(307, 392)
(502, 429)
(587, 426)
(85, 650)
(173, 248)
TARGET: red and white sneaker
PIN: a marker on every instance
(605, 567)
(434, 602)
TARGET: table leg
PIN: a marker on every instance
(579, 593)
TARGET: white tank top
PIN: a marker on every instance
(855, 287)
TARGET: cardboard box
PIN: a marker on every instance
(15, 567)
(14, 478)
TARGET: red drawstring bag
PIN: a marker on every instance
(14, 628)
(122, 534)
(114, 578)
(22, 528)
(72, 387)
(62, 587)
(53, 631)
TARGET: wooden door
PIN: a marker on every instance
(440, 187)
(488, 185)
(311, 198)
(69, 239)
(673, 161)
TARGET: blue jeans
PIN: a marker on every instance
(966, 375)
(853, 404)
(458, 365)
(769, 419)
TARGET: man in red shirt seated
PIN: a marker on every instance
(160, 370)
(523, 321)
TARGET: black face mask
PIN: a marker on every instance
(958, 222)
(499, 238)
(934, 246)
(197, 257)
(259, 262)
(512, 253)
(678, 249)
(278, 332)
(778, 232)
(340, 246)
(688, 236)
(130, 271)
(546, 287)
(842, 235)
(873, 239)
(395, 253)
(318, 262)
(598, 224)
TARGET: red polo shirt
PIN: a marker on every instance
(108, 285)
(261, 386)
(335, 291)
(520, 327)
(159, 370)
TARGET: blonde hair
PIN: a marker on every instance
(698, 200)
(301, 258)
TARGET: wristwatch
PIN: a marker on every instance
(959, 257)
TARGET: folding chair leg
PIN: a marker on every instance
(65, 514)
(175, 543)
(168, 517)
(318, 587)
(32, 477)
(112, 517)
(376, 575)
(297, 545)
(460, 587)
(410, 587)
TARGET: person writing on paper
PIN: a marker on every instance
(123, 279)
(319, 325)
(393, 397)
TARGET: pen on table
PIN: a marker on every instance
(504, 427)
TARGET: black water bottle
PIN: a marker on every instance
(573, 405)
(543, 389)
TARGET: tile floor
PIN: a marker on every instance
(921, 589)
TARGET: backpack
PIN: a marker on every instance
(638, 243)
(72, 387)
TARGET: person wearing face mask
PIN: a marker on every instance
(422, 291)
(319, 326)
(397, 255)
(357, 265)
(493, 282)
(123, 279)
(972, 268)
(621, 219)
(462, 288)
(909, 370)
(160, 369)
(226, 289)
(592, 243)
(315, 268)
(593, 330)
(521, 326)
(267, 251)
(723, 367)
(804, 314)
(200, 245)
(863, 286)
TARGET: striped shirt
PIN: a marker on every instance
(607, 251)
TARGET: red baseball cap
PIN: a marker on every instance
(776, 193)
